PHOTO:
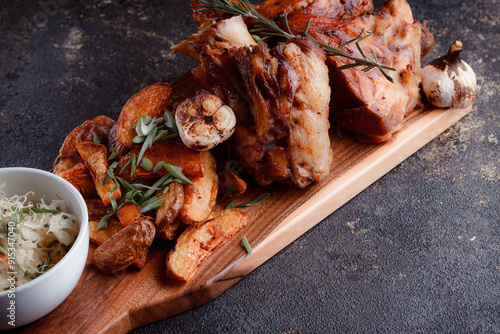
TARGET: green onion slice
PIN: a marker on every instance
(246, 245)
(254, 201)
(177, 173)
(40, 210)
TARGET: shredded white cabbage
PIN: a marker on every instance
(32, 242)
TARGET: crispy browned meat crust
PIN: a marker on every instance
(280, 97)
(365, 102)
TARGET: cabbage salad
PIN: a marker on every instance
(33, 237)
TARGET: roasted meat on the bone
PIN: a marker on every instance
(365, 102)
(274, 9)
(280, 97)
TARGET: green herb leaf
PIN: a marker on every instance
(14, 218)
(152, 204)
(254, 201)
(177, 173)
(138, 139)
(112, 156)
(133, 166)
(158, 166)
(44, 266)
(246, 245)
(230, 205)
(29, 275)
(128, 163)
(156, 186)
(228, 192)
(146, 164)
(170, 121)
(146, 145)
(125, 184)
(103, 223)
(112, 199)
(40, 210)
(95, 139)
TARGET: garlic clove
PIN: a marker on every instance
(223, 118)
(204, 122)
(235, 31)
(438, 87)
(449, 81)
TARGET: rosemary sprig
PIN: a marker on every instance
(268, 28)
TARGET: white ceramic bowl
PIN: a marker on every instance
(40, 296)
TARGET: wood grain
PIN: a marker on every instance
(131, 298)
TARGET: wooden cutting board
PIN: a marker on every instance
(129, 299)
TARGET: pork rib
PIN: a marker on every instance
(274, 10)
(366, 103)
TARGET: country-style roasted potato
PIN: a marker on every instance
(64, 164)
(114, 226)
(96, 208)
(114, 145)
(170, 152)
(125, 247)
(150, 101)
(98, 128)
(167, 226)
(95, 158)
(141, 260)
(197, 243)
(200, 197)
(128, 213)
(80, 177)
(231, 183)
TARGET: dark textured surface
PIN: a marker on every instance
(416, 252)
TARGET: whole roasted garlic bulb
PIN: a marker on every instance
(204, 121)
(449, 81)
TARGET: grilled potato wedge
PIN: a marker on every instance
(197, 243)
(231, 183)
(150, 101)
(95, 157)
(141, 260)
(125, 247)
(65, 164)
(98, 128)
(167, 226)
(128, 213)
(96, 208)
(80, 177)
(200, 197)
(114, 226)
(102, 235)
(114, 145)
